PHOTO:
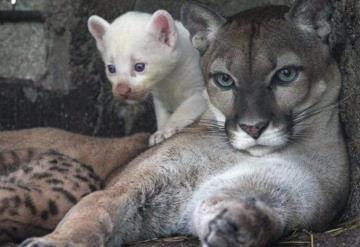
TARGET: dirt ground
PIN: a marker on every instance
(340, 238)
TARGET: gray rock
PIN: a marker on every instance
(23, 50)
(346, 45)
(224, 7)
(24, 5)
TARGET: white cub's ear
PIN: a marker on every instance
(162, 25)
(98, 27)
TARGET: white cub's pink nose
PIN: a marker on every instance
(123, 90)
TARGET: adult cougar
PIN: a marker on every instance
(275, 160)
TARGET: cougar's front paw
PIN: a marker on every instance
(161, 135)
(235, 224)
(43, 242)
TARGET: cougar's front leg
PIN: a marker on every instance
(226, 222)
(90, 223)
(253, 208)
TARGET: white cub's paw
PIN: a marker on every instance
(161, 135)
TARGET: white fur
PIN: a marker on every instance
(172, 74)
(254, 167)
(271, 139)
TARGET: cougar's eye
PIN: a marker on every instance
(139, 67)
(224, 81)
(111, 68)
(286, 75)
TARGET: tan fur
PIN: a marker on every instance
(38, 186)
(103, 154)
(36, 197)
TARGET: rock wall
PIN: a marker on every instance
(346, 43)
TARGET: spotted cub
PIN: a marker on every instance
(37, 194)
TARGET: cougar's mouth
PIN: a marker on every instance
(271, 139)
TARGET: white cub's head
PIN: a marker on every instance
(138, 49)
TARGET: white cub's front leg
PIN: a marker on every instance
(162, 116)
(161, 135)
(187, 112)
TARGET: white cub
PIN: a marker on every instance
(153, 54)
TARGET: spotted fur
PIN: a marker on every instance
(38, 185)
(36, 195)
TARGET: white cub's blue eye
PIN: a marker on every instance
(111, 68)
(286, 75)
(224, 81)
(139, 67)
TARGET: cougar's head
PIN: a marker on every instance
(266, 69)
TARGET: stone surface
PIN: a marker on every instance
(38, 51)
(24, 5)
(346, 44)
(23, 50)
(225, 7)
(23, 45)
(59, 17)
(24, 105)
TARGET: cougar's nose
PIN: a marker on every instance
(256, 130)
(123, 90)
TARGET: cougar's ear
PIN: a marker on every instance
(202, 24)
(98, 27)
(312, 16)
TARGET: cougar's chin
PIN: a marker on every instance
(273, 138)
